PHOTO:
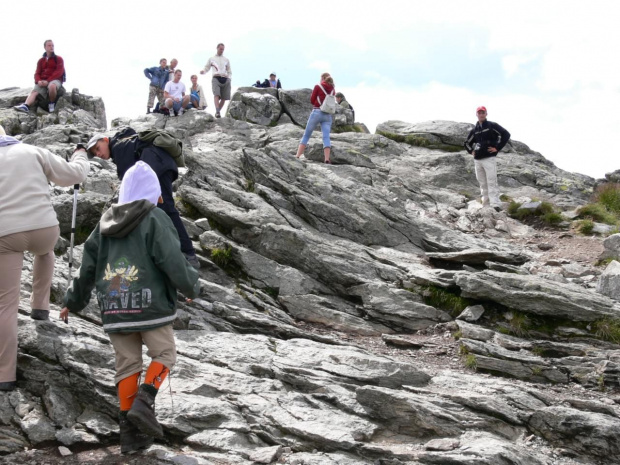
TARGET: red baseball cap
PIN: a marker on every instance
(481, 109)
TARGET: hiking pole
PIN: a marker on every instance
(76, 188)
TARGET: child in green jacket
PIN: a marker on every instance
(134, 262)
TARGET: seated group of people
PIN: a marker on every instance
(273, 81)
(171, 93)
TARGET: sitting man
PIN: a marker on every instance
(48, 79)
(342, 101)
(125, 149)
(159, 77)
(174, 94)
(271, 82)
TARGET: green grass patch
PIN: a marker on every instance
(463, 350)
(249, 185)
(608, 329)
(505, 198)
(586, 227)
(608, 195)
(606, 261)
(458, 335)
(222, 257)
(597, 212)
(520, 324)
(536, 371)
(190, 211)
(553, 218)
(347, 128)
(444, 300)
(471, 363)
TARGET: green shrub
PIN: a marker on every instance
(222, 257)
(505, 198)
(463, 350)
(471, 362)
(249, 185)
(608, 329)
(608, 195)
(586, 226)
(520, 324)
(513, 207)
(444, 300)
(552, 218)
(597, 212)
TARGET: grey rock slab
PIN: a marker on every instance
(593, 433)
(602, 228)
(471, 331)
(255, 107)
(609, 282)
(37, 426)
(397, 307)
(505, 268)
(419, 415)
(296, 103)
(332, 312)
(612, 247)
(266, 454)
(533, 294)
(480, 256)
(483, 449)
(401, 342)
(471, 313)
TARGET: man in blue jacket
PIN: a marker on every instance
(484, 142)
(158, 76)
(125, 149)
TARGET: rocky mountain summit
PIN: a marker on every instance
(364, 312)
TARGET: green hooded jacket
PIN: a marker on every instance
(134, 261)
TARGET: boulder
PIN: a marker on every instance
(609, 282)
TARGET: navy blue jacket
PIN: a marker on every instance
(488, 134)
(126, 150)
(157, 75)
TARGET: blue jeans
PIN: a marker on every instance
(318, 117)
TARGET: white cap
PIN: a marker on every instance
(140, 182)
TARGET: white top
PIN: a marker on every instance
(220, 66)
(175, 89)
(25, 201)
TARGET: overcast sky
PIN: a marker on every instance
(546, 70)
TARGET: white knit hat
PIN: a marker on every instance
(140, 182)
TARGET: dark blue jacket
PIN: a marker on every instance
(126, 150)
(485, 135)
(157, 75)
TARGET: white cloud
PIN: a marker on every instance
(320, 65)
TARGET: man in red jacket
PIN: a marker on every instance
(48, 79)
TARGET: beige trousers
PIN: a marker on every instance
(128, 349)
(39, 242)
(486, 173)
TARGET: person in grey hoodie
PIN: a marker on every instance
(28, 223)
(134, 262)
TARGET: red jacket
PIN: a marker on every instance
(50, 69)
(318, 94)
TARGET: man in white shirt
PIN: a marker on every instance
(174, 94)
(220, 83)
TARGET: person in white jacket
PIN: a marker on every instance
(28, 222)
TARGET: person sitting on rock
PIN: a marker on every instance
(484, 142)
(159, 77)
(174, 94)
(132, 260)
(48, 79)
(124, 149)
(271, 82)
(197, 95)
(29, 223)
(344, 103)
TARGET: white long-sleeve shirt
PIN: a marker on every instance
(25, 202)
(220, 65)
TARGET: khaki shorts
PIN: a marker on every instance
(128, 348)
(219, 89)
(43, 91)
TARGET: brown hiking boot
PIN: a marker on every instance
(132, 439)
(142, 412)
